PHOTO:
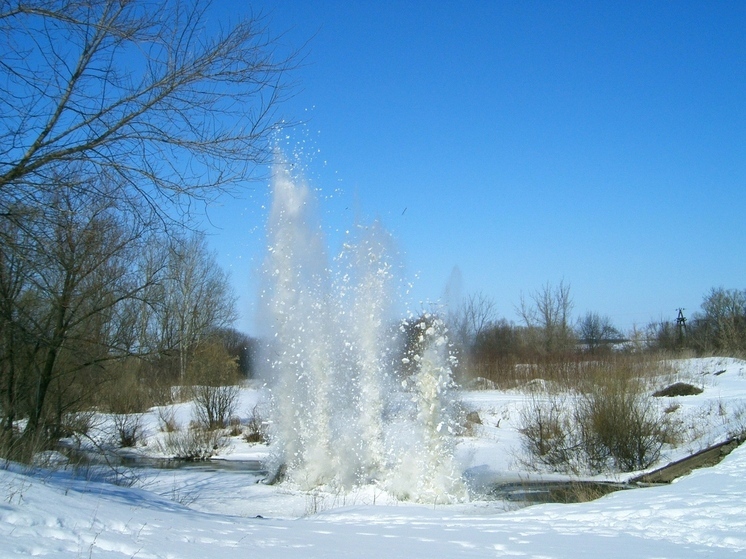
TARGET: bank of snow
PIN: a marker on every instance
(197, 513)
(701, 515)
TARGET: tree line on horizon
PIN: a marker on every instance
(490, 346)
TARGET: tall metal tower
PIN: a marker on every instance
(681, 325)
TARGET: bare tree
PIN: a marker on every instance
(113, 113)
(63, 283)
(548, 315)
(721, 324)
(192, 300)
(477, 314)
(151, 96)
(467, 323)
(75, 297)
(14, 271)
(663, 334)
(595, 330)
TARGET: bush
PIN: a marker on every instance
(214, 405)
(611, 424)
(77, 424)
(621, 427)
(213, 374)
(124, 393)
(196, 443)
(256, 429)
(167, 419)
(127, 429)
(546, 426)
(125, 398)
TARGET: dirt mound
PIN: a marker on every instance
(678, 389)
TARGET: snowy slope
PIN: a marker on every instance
(702, 515)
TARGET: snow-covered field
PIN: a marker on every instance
(198, 513)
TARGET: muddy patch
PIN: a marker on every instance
(537, 492)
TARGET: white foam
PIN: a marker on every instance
(341, 414)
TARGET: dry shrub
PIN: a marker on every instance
(126, 398)
(572, 371)
(214, 405)
(159, 390)
(128, 430)
(22, 447)
(234, 427)
(621, 426)
(548, 435)
(737, 424)
(610, 424)
(125, 391)
(196, 443)
(580, 492)
(167, 419)
(213, 375)
(78, 424)
(255, 430)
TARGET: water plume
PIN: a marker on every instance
(356, 400)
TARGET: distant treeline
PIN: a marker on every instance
(491, 347)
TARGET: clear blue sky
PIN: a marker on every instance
(603, 143)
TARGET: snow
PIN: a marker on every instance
(195, 513)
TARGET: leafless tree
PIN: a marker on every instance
(476, 314)
(14, 271)
(192, 299)
(548, 315)
(721, 324)
(116, 117)
(154, 97)
(63, 284)
(595, 330)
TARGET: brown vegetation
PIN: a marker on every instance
(605, 421)
(103, 282)
(678, 389)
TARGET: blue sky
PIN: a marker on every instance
(599, 143)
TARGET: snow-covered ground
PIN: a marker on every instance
(198, 513)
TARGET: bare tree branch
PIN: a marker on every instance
(148, 93)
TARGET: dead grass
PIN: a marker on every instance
(572, 371)
(605, 419)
